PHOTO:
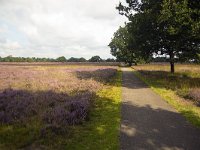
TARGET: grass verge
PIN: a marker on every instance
(189, 110)
(102, 132)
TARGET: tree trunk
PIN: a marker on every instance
(130, 64)
(135, 63)
(172, 66)
(172, 62)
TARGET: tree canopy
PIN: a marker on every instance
(61, 59)
(25, 59)
(169, 27)
(72, 59)
(95, 59)
(119, 46)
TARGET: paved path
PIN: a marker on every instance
(149, 123)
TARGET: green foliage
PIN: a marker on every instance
(180, 22)
(25, 59)
(95, 59)
(82, 59)
(168, 27)
(61, 59)
(72, 59)
(122, 45)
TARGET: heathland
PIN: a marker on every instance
(46, 106)
(59, 107)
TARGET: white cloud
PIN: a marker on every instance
(9, 46)
(79, 28)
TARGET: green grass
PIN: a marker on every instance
(18, 136)
(169, 88)
(101, 132)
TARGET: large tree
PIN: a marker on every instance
(180, 21)
(169, 27)
(121, 46)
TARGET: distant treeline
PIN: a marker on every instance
(59, 59)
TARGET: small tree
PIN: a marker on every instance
(72, 59)
(95, 59)
(61, 59)
(82, 59)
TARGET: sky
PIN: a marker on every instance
(53, 28)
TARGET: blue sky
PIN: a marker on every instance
(52, 28)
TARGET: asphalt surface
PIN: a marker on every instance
(149, 123)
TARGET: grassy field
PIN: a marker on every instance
(59, 107)
(181, 90)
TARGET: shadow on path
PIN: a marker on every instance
(154, 129)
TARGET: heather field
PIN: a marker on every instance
(62, 107)
(181, 90)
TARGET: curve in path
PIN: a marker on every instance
(149, 123)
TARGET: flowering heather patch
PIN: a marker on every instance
(15, 106)
(40, 106)
(55, 95)
(103, 74)
(56, 109)
(70, 112)
(89, 68)
(44, 78)
(58, 79)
